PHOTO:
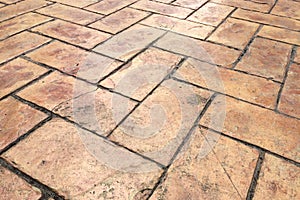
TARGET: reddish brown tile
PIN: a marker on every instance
(74, 34)
(109, 6)
(16, 119)
(297, 57)
(79, 4)
(260, 5)
(287, 8)
(283, 35)
(193, 4)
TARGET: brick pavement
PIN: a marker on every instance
(149, 99)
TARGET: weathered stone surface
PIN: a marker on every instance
(109, 6)
(283, 35)
(79, 4)
(193, 4)
(287, 8)
(260, 5)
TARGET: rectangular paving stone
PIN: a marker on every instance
(17, 73)
(261, 5)
(249, 88)
(211, 14)
(266, 58)
(120, 20)
(278, 179)
(16, 119)
(158, 126)
(290, 98)
(279, 34)
(287, 8)
(193, 4)
(13, 187)
(21, 23)
(78, 164)
(164, 9)
(267, 19)
(79, 4)
(142, 74)
(19, 44)
(74, 61)
(258, 126)
(234, 32)
(71, 14)
(180, 26)
(72, 33)
(205, 51)
(209, 167)
(20, 8)
(126, 44)
(107, 7)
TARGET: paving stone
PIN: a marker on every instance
(79, 4)
(206, 51)
(20, 8)
(107, 7)
(19, 44)
(283, 35)
(164, 9)
(267, 19)
(13, 187)
(261, 127)
(287, 8)
(278, 179)
(234, 32)
(72, 33)
(142, 74)
(211, 14)
(21, 23)
(17, 73)
(9, 1)
(157, 127)
(266, 58)
(128, 43)
(297, 57)
(74, 61)
(290, 98)
(120, 20)
(193, 4)
(16, 119)
(211, 167)
(260, 5)
(57, 155)
(71, 14)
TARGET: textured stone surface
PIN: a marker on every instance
(266, 58)
(109, 6)
(13, 187)
(297, 57)
(211, 167)
(79, 4)
(60, 158)
(287, 8)
(290, 98)
(278, 180)
(193, 4)
(264, 128)
(260, 5)
(74, 34)
(284, 35)
(16, 119)
(234, 32)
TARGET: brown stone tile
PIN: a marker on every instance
(19, 44)
(206, 51)
(109, 6)
(211, 167)
(267, 19)
(297, 57)
(278, 179)
(16, 119)
(258, 126)
(68, 160)
(126, 44)
(79, 4)
(176, 107)
(20, 23)
(250, 88)
(20, 8)
(260, 5)
(234, 32)
(164, 9)
(287, 8)
(71, 14)
(72, 33)
(290, 98)
(9, 1)
(193, 4)
(142, 74)
(74, 61)
(13, 187)
(280, 34)
(266, 58)
(119, 20)
(16, 74)
(180, 26)
(211, 14)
